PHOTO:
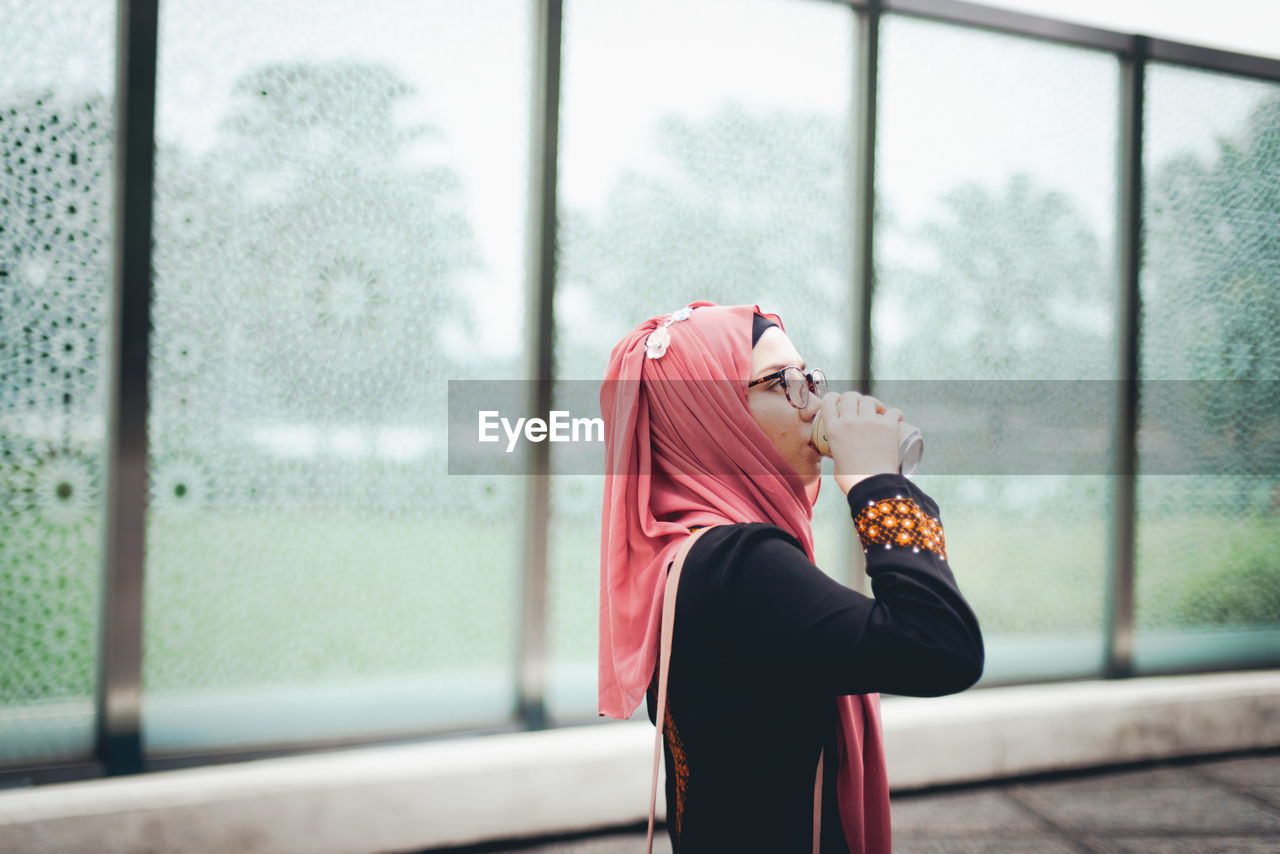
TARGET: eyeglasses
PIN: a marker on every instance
(796, 384)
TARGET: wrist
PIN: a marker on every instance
(869, 487)
(847, 482)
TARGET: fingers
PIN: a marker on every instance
(851, 403)
(868, 406)
(862, 435)
(830, 406)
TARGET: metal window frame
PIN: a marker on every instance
(866, 93)
(866, 88)
(1121, 44)
(544, 143)
(1212, 59)
(118, 692)
(1117, 627)
(1012, 23)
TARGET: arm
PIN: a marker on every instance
(917, 637)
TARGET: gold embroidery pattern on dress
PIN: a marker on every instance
(900, 522)
(675, 748)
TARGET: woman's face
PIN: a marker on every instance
(787, 427)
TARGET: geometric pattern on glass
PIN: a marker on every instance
(317, 261)
(1208, 554)
(55, 270)
(995, 200)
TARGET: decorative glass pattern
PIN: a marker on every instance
(55, 272)
(1208, 547)
(993, 260)
(719, 173)
(339, 206)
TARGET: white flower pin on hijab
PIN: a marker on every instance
(660, 339)
(657, 342)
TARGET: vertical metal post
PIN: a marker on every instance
(119, 687)
(1120, 568)
(541, 266)
(866, 81)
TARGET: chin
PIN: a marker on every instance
(810, 464)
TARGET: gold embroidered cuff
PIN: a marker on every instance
(899, 522)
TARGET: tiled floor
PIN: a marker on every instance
(1205, 807)
(1224, 806)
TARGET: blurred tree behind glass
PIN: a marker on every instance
(1211, 288)
(1208, 554)
(331, 261)
(307, 272)
(1004, 281)
(310, 276)
(737, 207)
(1214, 228)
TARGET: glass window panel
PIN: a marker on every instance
(339, 231)
(1208, 545)
(995, 208)
(56, 94)
(705, 154)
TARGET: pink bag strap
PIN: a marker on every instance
(664, 665)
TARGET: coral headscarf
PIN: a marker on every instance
(682, 449)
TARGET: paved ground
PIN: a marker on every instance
(1223, 806)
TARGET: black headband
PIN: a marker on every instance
(759, 323)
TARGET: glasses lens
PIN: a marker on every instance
(819, 382)
(797, 387)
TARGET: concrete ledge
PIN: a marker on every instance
(452, 792)
(1027, 729)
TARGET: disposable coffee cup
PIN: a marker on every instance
(910, 444)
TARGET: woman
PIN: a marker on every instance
(708, 415)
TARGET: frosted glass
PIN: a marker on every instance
(339, 189)
(1208, 547)
(56, 91)
(993, 261)
(704, 160)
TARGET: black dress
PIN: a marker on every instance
(763, 642)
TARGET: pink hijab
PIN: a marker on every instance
(679, 454)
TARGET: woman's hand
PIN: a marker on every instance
(863, 434)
